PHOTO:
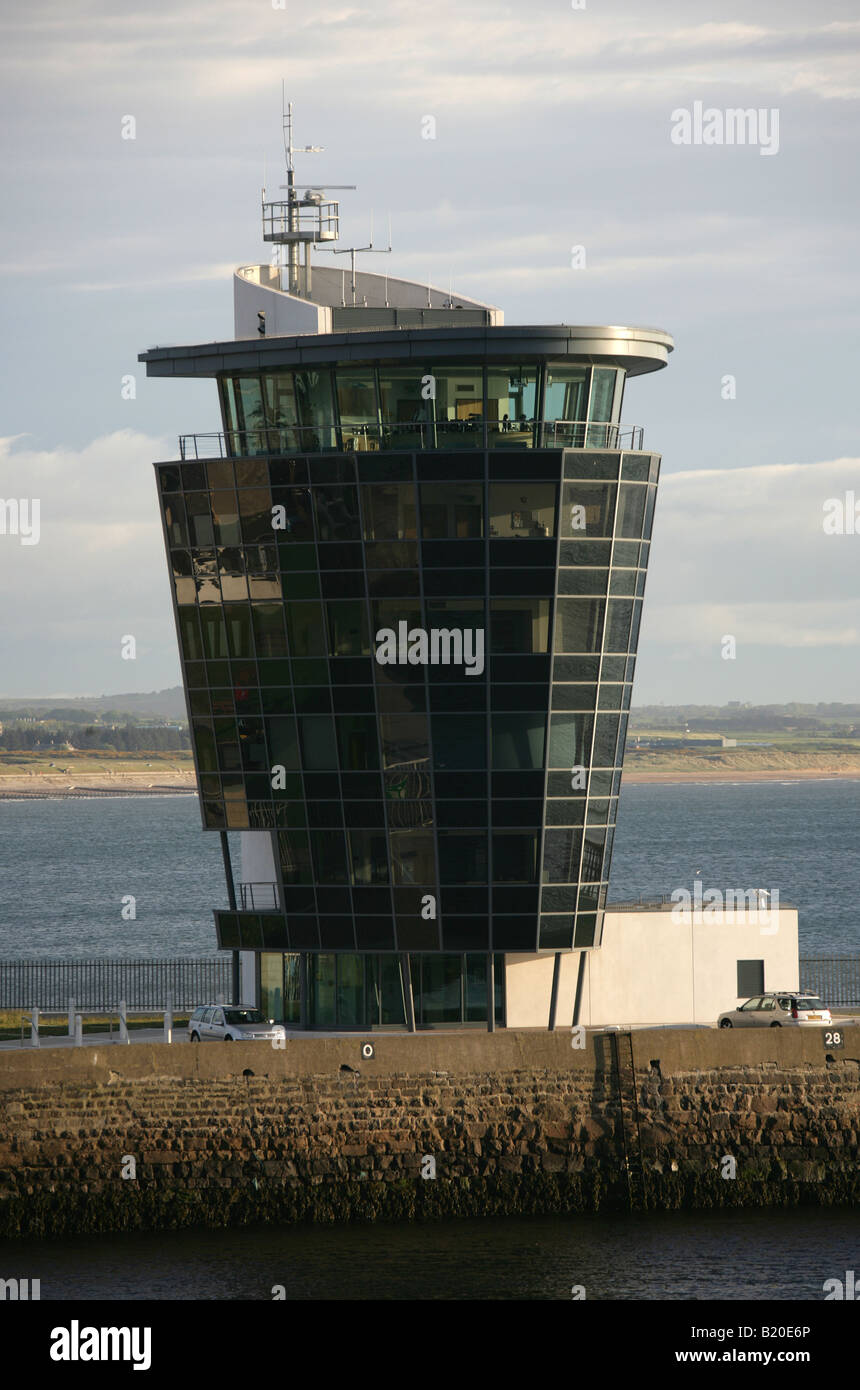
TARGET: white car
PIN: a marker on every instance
(782, 1008)
(225, 1023)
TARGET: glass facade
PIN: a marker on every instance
(410, 666)
(370, 408)
(343, 991)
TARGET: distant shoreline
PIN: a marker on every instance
(776, 774)
(37, 786)
(43, 786)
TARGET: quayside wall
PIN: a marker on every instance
(515, 1122)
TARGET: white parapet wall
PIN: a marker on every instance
(657, 967)
(256, 289)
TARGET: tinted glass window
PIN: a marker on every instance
(578, 624)
(602, 392)
(359, 749)
(458, 406)
(347, 628)
(319, 749)
(631, 510)
(520, 510)
(404, 410)
(413, 856)
(515, 856)
(561, 854)
(459, 741)
(519, 625)
(356, 399)
(518, 741)
(389, 511)
(587, 510)
(570, 740)
(337, 513)
(462, 857)
(511, 405)
(404, 740)
(452, 511)
(566, 393)
(368, 856)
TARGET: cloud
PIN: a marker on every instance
(545, 54)
(97, 573)
(189, 275)
(743, 551)
(807, 624)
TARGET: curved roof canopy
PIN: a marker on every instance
(638, 350)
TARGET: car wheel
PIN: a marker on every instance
(195, 1037)
(776, 1025)
(228, 1038)
(725, 1023)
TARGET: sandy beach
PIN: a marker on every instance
(154, 782)
(151, 782)
(729, 775)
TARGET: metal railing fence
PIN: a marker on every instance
(835, 978)
(97, 986)
(327, 437)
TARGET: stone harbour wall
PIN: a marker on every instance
(155, 1137)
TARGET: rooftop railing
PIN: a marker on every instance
(474, 433)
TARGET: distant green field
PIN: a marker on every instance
(20, 761)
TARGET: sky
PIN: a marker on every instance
(553, 129)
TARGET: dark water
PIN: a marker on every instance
(800, 838)
(64, 868)
(66, 865)
(756, 1255)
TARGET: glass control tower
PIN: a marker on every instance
(408, 576)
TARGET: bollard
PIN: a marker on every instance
(34, 1027)
(71, 1018)
(123, 1021)
(168, 1025)
(79, 1030)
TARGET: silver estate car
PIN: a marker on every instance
(784, 1008)
(225, 1023)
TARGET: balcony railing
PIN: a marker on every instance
(443, 434)
(259, 897)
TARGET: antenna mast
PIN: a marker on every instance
(295, 222)
(351, 251)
